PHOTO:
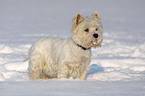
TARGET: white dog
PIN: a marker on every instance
(65, 58)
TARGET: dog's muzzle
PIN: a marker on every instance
(97, 40)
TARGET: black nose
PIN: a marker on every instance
(95, 35)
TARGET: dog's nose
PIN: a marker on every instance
(95, 35)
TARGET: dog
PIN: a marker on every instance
(66, 58)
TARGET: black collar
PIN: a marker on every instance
(84, 48)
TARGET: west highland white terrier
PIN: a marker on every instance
(65, 58)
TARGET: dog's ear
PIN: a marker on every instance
(76, 21)
(95, 15)
(78, 18)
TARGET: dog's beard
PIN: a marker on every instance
(95, 43)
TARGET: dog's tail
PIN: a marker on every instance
(27, 57)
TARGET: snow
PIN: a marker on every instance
(117, 68)
(72, 88)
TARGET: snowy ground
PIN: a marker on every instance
(117, 68)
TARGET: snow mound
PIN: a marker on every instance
(5, 49)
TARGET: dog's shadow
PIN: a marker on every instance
(95, 68)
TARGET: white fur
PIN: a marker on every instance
(63, 58)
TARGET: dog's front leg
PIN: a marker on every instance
(63, 72)
(83, 75)
(83, 72)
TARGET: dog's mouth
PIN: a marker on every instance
(96, 43)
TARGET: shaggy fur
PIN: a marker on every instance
(64, 58)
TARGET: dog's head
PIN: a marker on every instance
(87, 32)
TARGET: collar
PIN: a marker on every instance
(84, 48)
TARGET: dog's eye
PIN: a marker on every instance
(96, 29)
(87, 30)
